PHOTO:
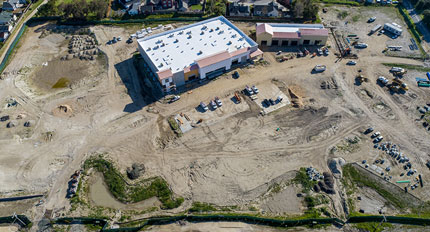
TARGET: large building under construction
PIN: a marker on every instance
(202, 50)
(284, 34)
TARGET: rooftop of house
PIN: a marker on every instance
(286, 30)
(182, 47)
(236, 7)
(5, 17)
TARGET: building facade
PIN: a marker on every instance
(283, 34)
(202, 50)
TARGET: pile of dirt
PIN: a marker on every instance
(63, 110)
(327, 185)
(135, 171)
(296, 100)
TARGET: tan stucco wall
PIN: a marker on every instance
(264, 36)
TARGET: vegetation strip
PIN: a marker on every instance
(408, 66)
(154, 187)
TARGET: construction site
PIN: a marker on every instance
(299, 131)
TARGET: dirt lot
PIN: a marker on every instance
(231, 159)
(354, 21)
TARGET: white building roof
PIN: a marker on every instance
(181, 47)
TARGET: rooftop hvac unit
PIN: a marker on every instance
(189, 37)
(211, 30)
(148, 49)
(161, 65)
(234, 36)
(229, 43)
(241, 38)
(171, 35)
(156, 47)
(204, 27)
(181, 32)
(200, 52)
(189, 32)
(202, 33)
(163, 44)
(217, 28)
(221, 32)
(176, 40)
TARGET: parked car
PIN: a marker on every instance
(379, 139)
(376, 134)
(320, 68)
(320, 52)
(119, 38)
(383, 80)
(175, 98)
(218, 102)
(371, 20)
(370, 129)
(204, 106)
(249, 91)
(255, 89)
(236, 75)
(351, 62)
(213, 104)
(361, 45)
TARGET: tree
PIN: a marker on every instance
(426, 18)
(310, 11)
(99, 7)
(298, 8)
(48, 9)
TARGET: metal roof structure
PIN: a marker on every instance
(182, 47)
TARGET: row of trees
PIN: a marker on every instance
(307, 9)
(76, 9)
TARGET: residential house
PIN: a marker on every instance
(135, 9)
(269, 9)
(128, 4)
(11, 5)
(7, 20)
(181, 5)
(238, 9)
(148, 6)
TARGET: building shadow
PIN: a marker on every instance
(138, 89)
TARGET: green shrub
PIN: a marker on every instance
(157, 187)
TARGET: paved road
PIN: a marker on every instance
(12, 38)
(418, 22)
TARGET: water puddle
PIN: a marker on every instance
(100, 196)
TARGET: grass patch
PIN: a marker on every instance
(155, 187)
(175, 126)
(303, 179)
(61, 83)
(408, 66)
(350, 173)
(356, 18)
(372, 226)
(202, 207)
(340, 2)
(315, 201)
(196, 7)
(342, 14)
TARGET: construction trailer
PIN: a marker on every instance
(376, 28)
(393, 28)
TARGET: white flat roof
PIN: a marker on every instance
(284, 27)
(181, 47)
